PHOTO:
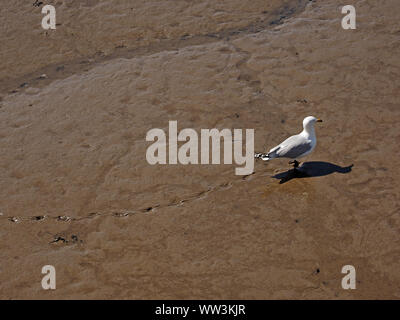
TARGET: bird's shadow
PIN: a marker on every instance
(311, 169)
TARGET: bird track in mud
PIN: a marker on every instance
(124, 213)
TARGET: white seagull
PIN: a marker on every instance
(296, 146)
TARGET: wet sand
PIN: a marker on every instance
(78, 193)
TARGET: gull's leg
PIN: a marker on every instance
(295, 164)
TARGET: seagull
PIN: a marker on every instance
(296, 146)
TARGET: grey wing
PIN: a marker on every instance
(294, 147)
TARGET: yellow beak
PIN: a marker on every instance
(319, 120)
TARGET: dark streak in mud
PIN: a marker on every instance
(73, 67)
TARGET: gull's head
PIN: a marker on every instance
(309, 122)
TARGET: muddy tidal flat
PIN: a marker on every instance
(76, 189)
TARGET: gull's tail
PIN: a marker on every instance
(262, 156)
